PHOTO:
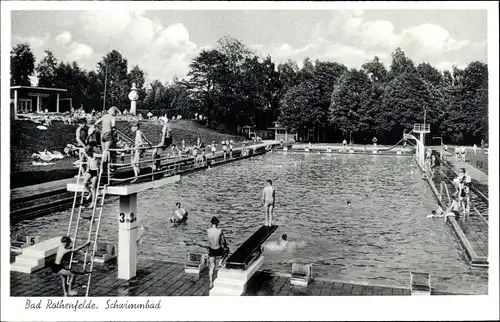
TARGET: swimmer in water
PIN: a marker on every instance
(281, 245)
(436, 213)
(349, 204)
(181, 214)
(268, 198)
(453, 210)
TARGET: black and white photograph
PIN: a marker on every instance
(298, 157)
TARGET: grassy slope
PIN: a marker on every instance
(26, 139)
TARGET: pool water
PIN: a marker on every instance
(379, 240)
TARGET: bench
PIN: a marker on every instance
(301, 274)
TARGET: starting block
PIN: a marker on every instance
(329, 150)
(285, 148)
(351, 151)
(301, 274)
(398, 153)
(21, 242)
(306, 149)
(374, 151)
(196, 263)
(105, 252)
(420, 284)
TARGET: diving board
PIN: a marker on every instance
(242, 265)
(242, 257)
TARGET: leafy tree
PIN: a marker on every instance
(375, 70)
(22, 65)
(74, 79)
(400, 64)
(207, 72)
(404, 101)
(287, 73)
(46, 70)
(117, 87)
(348, 102)
(306, 73)
(301, 107)
(429, 73)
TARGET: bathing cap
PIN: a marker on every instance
(214, 221)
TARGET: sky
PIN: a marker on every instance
(164, 42)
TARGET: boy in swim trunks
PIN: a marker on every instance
(217, 246)
(140, 141)
(108, 132)
(91, 174)
(165, 142)
(214, 149)
(63, 256)
(268, 196)
(224, 149)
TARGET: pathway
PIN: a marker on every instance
(159, 278)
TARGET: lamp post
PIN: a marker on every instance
(441, 139)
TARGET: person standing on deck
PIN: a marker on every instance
(81, 133)
(108, 133)
(268, 199)
(374, 141)
(140, 141)
(165, 142)
(217, 247)
(214, 149)
(224, 149)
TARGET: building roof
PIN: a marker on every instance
(40, 88)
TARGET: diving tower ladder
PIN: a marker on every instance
(92, 234)
(127, 219)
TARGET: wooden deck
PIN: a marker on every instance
(158, 278)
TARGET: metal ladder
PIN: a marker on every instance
(93, 232)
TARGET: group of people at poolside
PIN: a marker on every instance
(218, 249)
(460, 199)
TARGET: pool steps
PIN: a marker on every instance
(36, 257)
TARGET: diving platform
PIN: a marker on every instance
(130, 188)
(127, 218)
(242, 264)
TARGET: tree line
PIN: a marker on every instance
(233, 87)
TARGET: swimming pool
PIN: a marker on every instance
(382, 237)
